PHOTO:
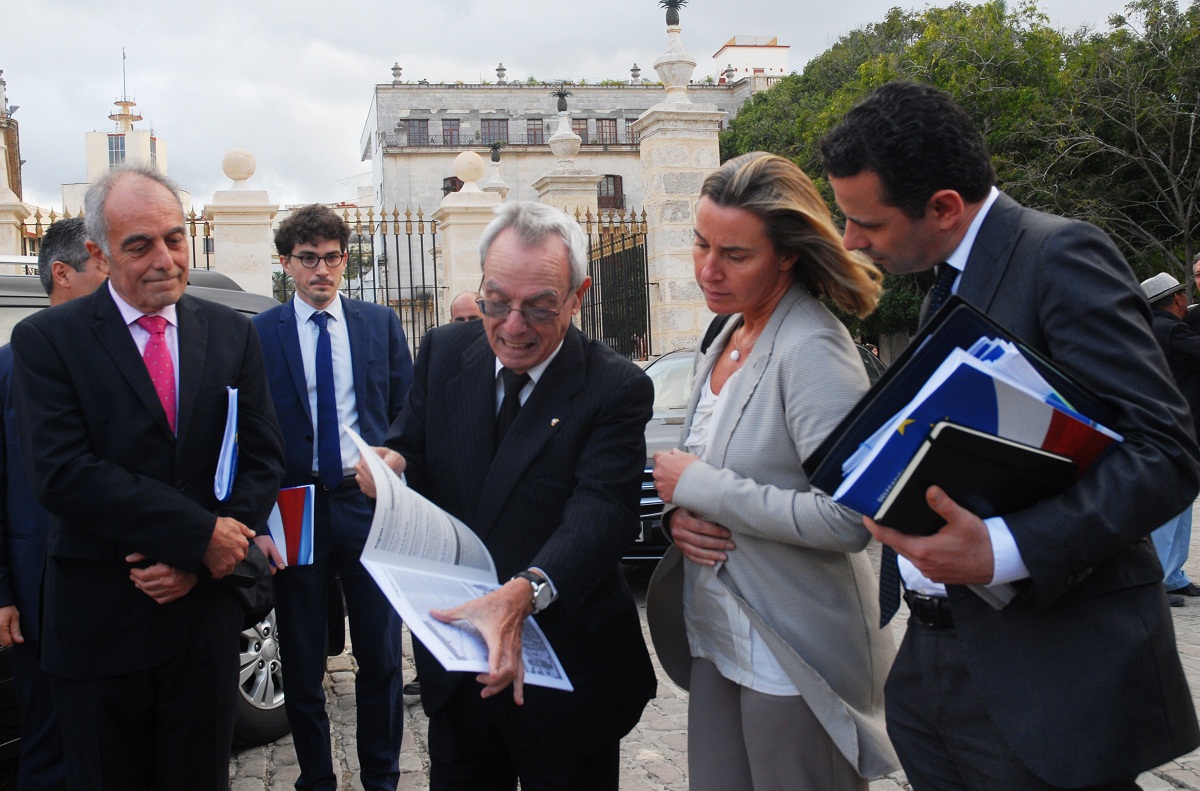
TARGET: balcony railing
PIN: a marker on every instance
(476, 140)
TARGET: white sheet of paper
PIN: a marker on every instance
(423, 558)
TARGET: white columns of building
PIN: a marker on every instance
(243, 240)
(461, 219)
(679, 148)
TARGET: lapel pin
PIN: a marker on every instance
(553, 422)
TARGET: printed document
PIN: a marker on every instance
(422, 558)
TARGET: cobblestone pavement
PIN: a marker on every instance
(654, 755)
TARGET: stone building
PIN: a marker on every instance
(414, 130)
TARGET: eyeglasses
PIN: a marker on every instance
(310, 260)
(498, 310)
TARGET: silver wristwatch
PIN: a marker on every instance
(542, 595)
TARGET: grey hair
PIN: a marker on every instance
(533, 222)
(97, 196)
(63, 241)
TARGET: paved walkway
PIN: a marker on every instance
(654, 755)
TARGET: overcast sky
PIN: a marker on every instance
(292, 82)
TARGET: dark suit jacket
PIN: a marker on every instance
(23, 523)
(103, 460)
(1181, 345)
(1080, 672)
(562, 494)
(382, 374)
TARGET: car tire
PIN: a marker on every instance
(260, 714)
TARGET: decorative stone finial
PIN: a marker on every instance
(396, 72)
(729, 72)
(500, 72)
(675, 66)
(469, 168)
(239, 165)
(634, 74)
(3, 100)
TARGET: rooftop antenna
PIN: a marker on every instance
(126, 116)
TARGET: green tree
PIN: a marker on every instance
(1125, 153)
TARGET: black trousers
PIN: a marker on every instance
(940, 728)
(167, 727)
(486, 745)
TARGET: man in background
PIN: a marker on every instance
(67, 271)
(122, 402)
(1181, 346)
(334, 361)
(465, 307)
(1076, 682)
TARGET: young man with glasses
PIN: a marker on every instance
(330, 361)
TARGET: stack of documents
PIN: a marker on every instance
(1009, 440)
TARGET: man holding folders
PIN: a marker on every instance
(334, 361)
(1076, 682)
(1181, 345)
(122, 400)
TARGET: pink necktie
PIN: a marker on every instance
(158, 362)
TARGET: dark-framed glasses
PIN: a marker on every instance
(310, 260)
(499, 310)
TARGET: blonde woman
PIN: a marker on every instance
(778, 638)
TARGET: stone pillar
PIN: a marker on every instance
(678, 149)
(461, 219)
(567, 186)
(12, 211)
(243, 240)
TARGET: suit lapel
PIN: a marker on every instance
(356, 328)
(991, 253)
(287, 334)
(114, 337)
(470, 396)
(193, 346)
(546, 411)
(742, 386)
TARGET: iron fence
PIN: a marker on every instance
(616, 309)
(392, 260)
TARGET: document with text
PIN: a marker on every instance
(423, 558)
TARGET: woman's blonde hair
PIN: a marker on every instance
(798, 223)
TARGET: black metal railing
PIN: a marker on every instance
(616, 309)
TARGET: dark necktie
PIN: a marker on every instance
(941, 289)
(158, 362)
(511, 405)
(329, 441)
(889, 569)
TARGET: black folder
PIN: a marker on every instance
(983, 473)
(957, 325)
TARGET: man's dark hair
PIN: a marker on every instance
(917, 140)
(63, 241)
(309, 225)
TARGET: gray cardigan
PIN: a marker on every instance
(798, 572)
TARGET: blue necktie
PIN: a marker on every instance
(329, 441)
(889, 569)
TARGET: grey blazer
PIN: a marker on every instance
(798, 571)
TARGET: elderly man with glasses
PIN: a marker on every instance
(532, 434)
(331, 361)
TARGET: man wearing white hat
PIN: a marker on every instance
(1181, 345)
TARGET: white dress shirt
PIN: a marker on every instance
(343, 373)
(141, 337)
(1009, 566)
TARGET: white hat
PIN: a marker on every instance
(1159, 286)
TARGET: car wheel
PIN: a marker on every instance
(260, 714)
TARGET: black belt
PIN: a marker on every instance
(349, 482)
(931, 611)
